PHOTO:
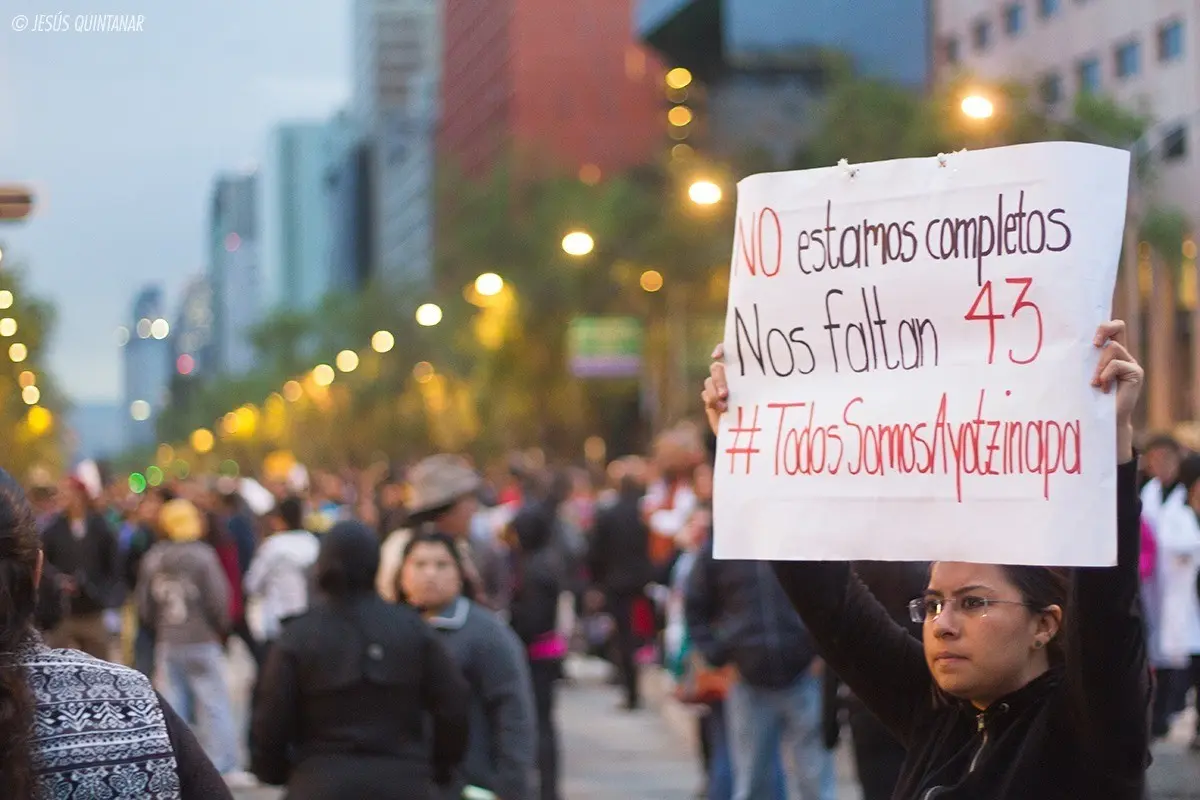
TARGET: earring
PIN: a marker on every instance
(1038, 644)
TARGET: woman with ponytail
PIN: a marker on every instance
(73, 726)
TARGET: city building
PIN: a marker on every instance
(233, 274)
(146, 362)
(348, 185)
(759, 65)
(565, 82)
(397, 58)
(293, 215)
(1146, 57)
(1143, 55)
(191, 343)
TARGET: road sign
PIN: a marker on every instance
(605, 347)
(16, 202)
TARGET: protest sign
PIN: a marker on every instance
(909, 352)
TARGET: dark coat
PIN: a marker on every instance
(1039, 743)
(343, 704)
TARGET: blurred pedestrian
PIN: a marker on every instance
(348, 688)
(183, 593)
(83, 549)
(501, 754)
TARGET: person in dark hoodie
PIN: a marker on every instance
(999, 703)
(533, 614)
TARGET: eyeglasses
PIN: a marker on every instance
(927, 609)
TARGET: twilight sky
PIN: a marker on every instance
(122, 134)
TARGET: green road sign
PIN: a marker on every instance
(605, 347)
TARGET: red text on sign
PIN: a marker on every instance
(761, 245)
(1021, 304)
(985, 445)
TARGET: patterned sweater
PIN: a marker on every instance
(100, 730)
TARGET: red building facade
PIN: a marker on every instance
(563, 83)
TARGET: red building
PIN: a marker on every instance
(564, 82)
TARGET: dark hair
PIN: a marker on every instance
(1189, 472)
(163, 493)
(349, 560)
(291, 511)
(1161, 441)
(433, 537)
(19, 547)
(1042, 587)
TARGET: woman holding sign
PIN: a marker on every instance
(1032, 682)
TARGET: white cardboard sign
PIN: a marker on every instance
(909, 354)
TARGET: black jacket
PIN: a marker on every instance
(91, 561)
(1036, 744)
(738, 614)
(619, 553)
(343, 703)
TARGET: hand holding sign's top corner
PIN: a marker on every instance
(1116, 367)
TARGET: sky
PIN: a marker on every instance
(121, 135)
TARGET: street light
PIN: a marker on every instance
(31, 395)
(489, 284)
(428, 315)
(323, 375)
(18, 353)
(347, 361)
(202, 440)
(292, 391)
(679, 78)
(383, 341)
(704, 193)
(578, 243)
(8, 327)
(160, 329)
(976, 106)
(139, 410)
(6, 299)
(651, 280)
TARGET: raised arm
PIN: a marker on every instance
(881, 663)
(1109, 646)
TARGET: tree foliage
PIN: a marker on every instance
(28, 441)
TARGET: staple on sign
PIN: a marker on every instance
(850, 171)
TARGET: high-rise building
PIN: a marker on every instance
(564, 82)
(233, 273)
(348, 184)
(397, 58)
(293, 218)
(760, 65)
(146, 359)
(1144, 55)
(191, 343)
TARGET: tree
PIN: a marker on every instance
(31, 435)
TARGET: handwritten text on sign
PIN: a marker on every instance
(908, 346)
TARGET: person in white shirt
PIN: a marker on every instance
(278, 577)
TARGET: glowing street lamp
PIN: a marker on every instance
(383, 341)
(6, 299)
(578, 243)
(139, 410)
(428, 315)
(976, 106)
(323, 375)
(18, 353)
(203, 440)
(489, 284)
(679, 78)
(8, 327)
(704, 193)
(292, 391)
(347, 361)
